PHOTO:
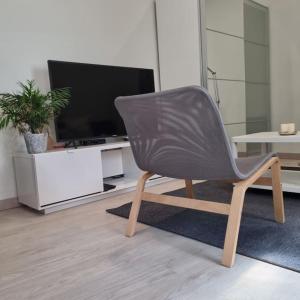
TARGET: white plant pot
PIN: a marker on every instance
(36, 142)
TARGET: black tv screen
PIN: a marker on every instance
(91, 112)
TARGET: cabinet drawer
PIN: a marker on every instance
(68, 174)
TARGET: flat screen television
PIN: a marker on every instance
(91, 113)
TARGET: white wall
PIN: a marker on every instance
(115, 32)
(179, 43)
(285, 65)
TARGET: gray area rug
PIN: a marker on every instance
(260, 236)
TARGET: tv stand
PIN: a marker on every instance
(63, 178)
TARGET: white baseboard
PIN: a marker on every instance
(9, 203)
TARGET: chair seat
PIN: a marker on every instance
(249, 165)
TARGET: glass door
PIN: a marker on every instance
(238, 65)
(256, 33)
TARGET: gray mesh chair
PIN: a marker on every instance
(179, 134)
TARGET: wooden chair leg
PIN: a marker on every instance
(277, 193)
(233, 225)
(189, 188)
(136, 204)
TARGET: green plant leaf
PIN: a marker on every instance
(30, 108)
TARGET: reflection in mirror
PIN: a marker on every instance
(238, 51)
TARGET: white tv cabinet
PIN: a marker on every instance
(68, 177)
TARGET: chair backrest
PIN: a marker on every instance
(178, 133)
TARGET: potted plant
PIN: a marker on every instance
(30, 111)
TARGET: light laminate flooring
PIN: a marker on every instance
(82, 253)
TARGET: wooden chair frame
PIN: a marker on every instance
(233, 210)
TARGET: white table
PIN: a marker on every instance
(290, 179)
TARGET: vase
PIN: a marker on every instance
(36, 142)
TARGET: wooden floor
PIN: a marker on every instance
(82, 253)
